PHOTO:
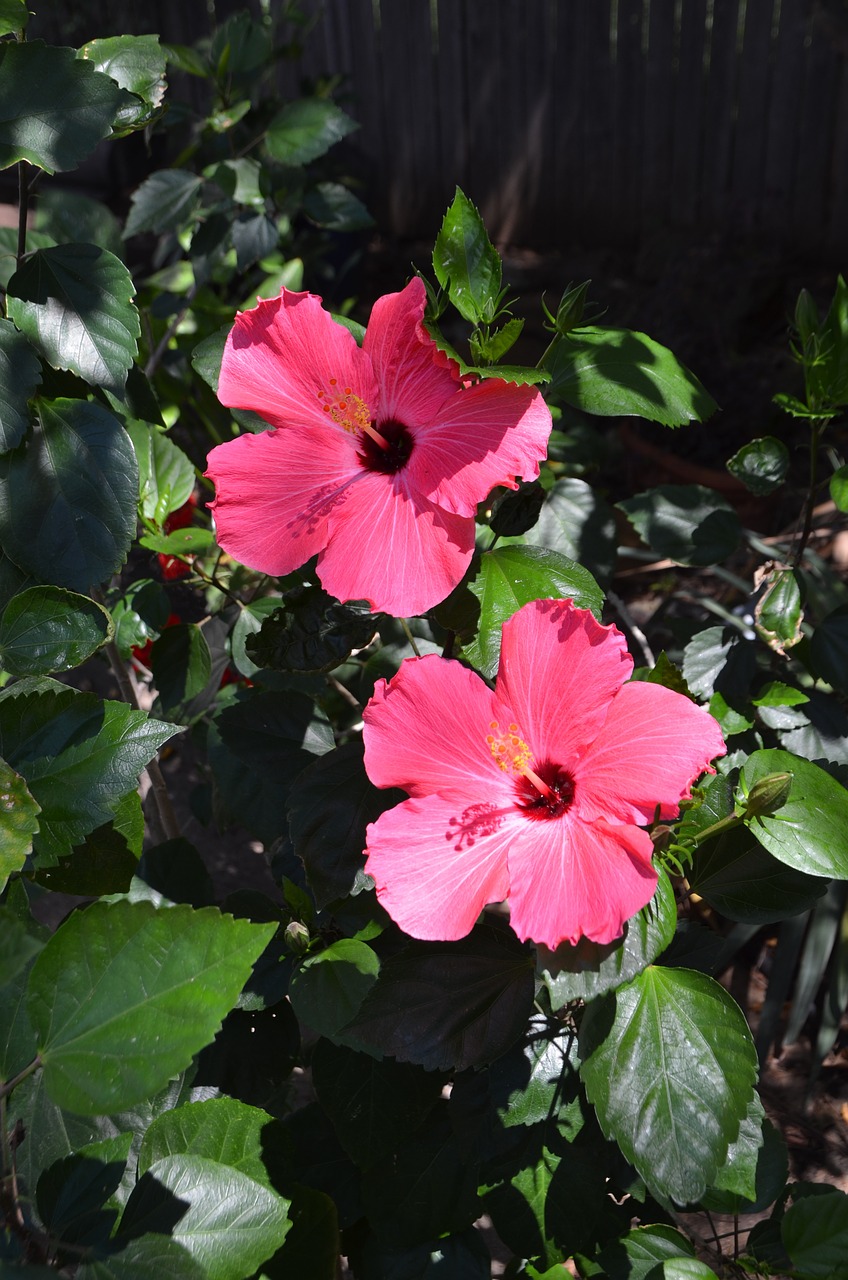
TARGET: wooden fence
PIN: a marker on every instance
(600, 122)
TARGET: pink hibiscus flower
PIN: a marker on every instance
(534, 792)
(380, 457)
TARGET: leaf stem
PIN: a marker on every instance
(410, 637)
(7, 1086)
(817, 427)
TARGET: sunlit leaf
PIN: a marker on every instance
(466, 263)
(45, 629)
(302, 131)
(19, 812)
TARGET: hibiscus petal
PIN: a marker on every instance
(274, 491)
(398, 551)
(652, 746)
(570, 879)
(279, 355)
(559, 669)
(426, 731)
(437, 862)
(414, 378)
(480, 438)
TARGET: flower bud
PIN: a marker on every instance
(767, 795)
(296, 937)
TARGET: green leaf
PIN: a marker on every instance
(536, 1081)
(615, 372)
(375, 1106)
(277, 734)
(306, 129)
(669, 1064)
(829, 648)
(19, 812)
(45, 629)
(686, 522)
(229, 1223)
(181, 664)
(105, 861)
(636, 1255)
(137, 64)
(815, 1233)
(331, 206)
(755, 1171)
(310, 631)
(69, 215)
(330, 809)
(72, 1193)
(68, 500)
(744, 882)
(327, 988)
(165, 201)
(587, 969)
(181, 542)
(720, 658)
(839, 488)
(510, 577)
(491, 347)
(810, 831)
(17, 947)
(762, 465)
(123, 995)
(577, 522)
(79, 755)
(54, 109)
(165, 473)
(449, 1004)
(221, 1129)
(9, 248)
(20, 374)
(779, 612)
(466, 263)
(14, 16)
(75, 305)
(150, 1257)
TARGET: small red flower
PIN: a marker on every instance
(379, 455)
(535, 792)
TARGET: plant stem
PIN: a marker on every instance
(162, 346)
(6, 1089)
(818, 426)
(410, 637)
(23, 203)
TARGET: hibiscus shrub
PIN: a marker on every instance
(365, 621)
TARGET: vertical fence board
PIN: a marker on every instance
(689, 115)
(412, 156)
(782, 142)
(754, 74)
(816, 124)
(660, 70)
(835, 239)
(716, 191)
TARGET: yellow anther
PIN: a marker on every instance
(511, 753)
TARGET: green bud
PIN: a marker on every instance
(806, 317)
(570, 309)
(768, 795)
(296, 937)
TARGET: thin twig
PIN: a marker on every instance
(162, 345)
(410, 637)
(635, 630)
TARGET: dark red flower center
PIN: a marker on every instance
(399, 443)
(542, 807)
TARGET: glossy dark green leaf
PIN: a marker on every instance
(669, 1064)
(304, 130)
(839, 488)
(810, 831)
(744, 882)
(221, 1129)
(536, 1081)
(229, 1223)
(332, 805)
(449, 1004)
(45, 629)
(829, 648)
(664, 672)
(588, 969)
(311, 632)
(150, 1257)
(74, 303)
(17, 947)
(511, 576)
(720, 658)
(123, 995)
(136, 64)
(617, 372)
(79, 755)
(375, 1106)
(165, 473)
(72, 1194)
(20, 374)
(19, 812)
(248, 622)
(580, 524)
(827, 374)
(54, 109)
(105, 861)
(638, 1254)
(70, 215)
(164, 202)
(761, 465)
(466, 263)
(685, 522)
(755, 1171)
(333, 207)
(254, 236)
(278, 734)
(328, 988)
(181, 664)
(68, 498)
